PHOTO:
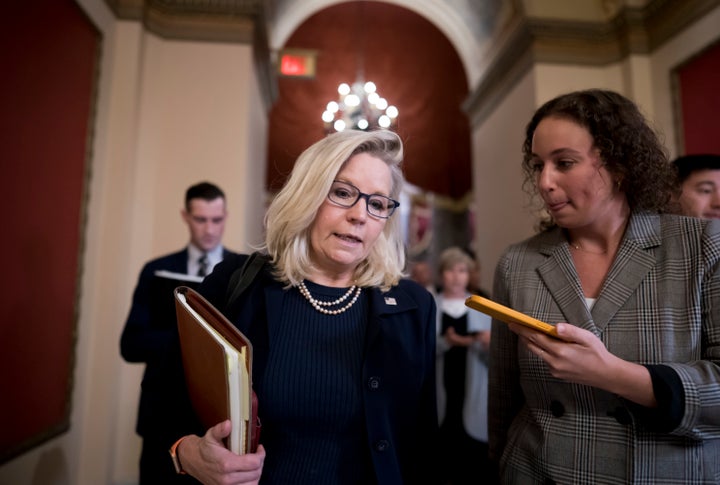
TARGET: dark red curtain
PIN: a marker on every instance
(699, 84)
(49, 58)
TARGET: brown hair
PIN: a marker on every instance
(629, 147)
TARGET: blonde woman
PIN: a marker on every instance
(344, 348)
(463, 345)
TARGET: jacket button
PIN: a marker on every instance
(557, 409)
(621, 415)
(381, 445)
(373, 383)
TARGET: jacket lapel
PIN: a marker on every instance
(179, 262)
(632, 264)
(559, 275)
(382, 306)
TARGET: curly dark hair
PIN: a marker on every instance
(629, 147)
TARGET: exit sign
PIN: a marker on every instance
(297, 63)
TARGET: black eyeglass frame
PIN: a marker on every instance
(392, 203)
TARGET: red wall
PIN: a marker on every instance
(699, 83)
(49, 57)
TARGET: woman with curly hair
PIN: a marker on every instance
(630, 391)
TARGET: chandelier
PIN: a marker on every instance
(359, 107)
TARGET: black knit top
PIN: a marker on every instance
(311, 404)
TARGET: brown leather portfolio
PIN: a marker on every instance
(217, 360)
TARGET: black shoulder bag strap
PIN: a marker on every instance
(243, 277)
(240, 280)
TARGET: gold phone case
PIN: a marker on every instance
(508, 315)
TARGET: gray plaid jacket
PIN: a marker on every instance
(660, 304)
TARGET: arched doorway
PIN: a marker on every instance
(415, 67)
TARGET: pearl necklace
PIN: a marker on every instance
(319, 305)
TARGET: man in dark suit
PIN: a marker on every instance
(150, 333)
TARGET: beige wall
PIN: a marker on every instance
(500, 213)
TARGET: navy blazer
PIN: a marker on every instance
(398, 366)
(150, 336)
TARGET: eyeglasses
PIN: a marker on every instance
(347, 195)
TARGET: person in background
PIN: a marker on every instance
(463, 346)
(474, 285)
(700, 185)
(630, 391)
(422, 273)
(343, 346)
(150, 332)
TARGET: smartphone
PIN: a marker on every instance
(508, 315)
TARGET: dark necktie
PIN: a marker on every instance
(202, 265)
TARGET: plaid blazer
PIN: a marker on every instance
(660, 304)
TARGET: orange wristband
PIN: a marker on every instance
(175, 458)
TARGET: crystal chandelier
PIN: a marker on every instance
(359, 107)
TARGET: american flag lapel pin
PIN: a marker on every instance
(390, 301)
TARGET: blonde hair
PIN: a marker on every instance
(292, 212)
(452, 256)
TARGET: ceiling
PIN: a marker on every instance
(443, 63)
